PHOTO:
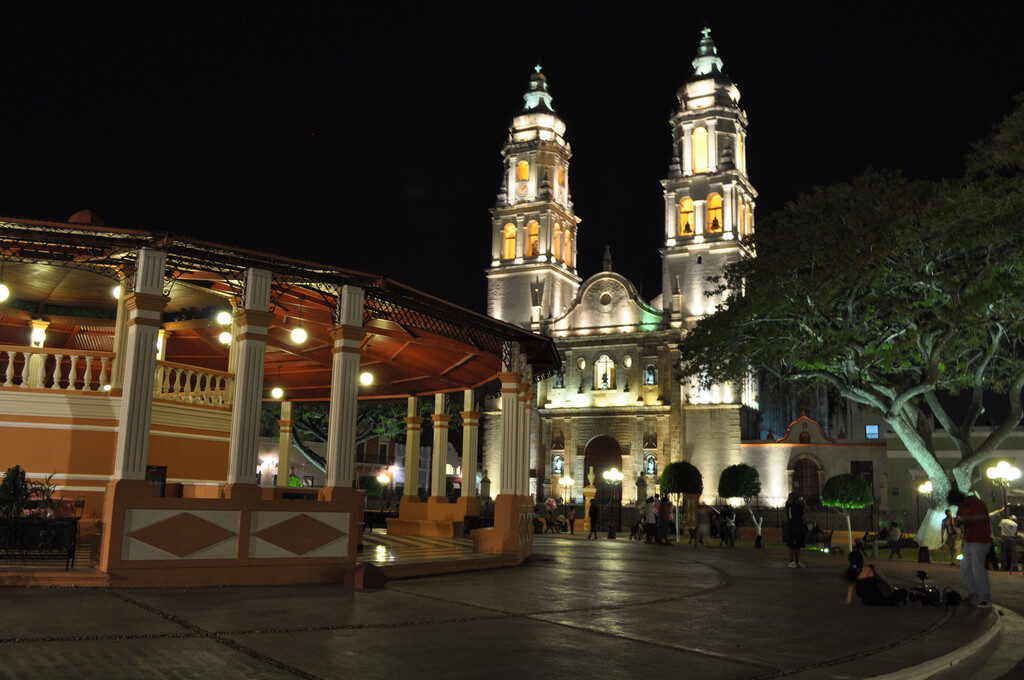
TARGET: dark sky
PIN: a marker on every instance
(370, 138)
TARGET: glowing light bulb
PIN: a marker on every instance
(5, 292)
(223, 318)
(366, 378)
(299, 335)
(106, 388)
(276, 392)
(225, 338)
(116, 292)
(38, 337)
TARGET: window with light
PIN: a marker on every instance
(568, 248)
(871, 431)
(556, 242)
(700, 150)
(714, 214)
(523, 171)
(604, 373)
(686, 216)
(532, 238)
(508, 244)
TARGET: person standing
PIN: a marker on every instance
(703, 526)
(951, 536)
(892, 537)
(1007, 542)
(796, 530)
(973, 512)
(594, 514)
(571, 520)
(664, 518)
(730, 527)
(650, 520)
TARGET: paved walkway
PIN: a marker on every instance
(579, 609)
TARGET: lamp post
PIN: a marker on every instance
(924, 490)
(384, 480)
(1003, 475)
(614, 477)
(566, 482)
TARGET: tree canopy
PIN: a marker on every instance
(681, 477)
(846, 492)
(739, 481)
(892, 292)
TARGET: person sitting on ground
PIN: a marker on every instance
(892, 536)
(870, 585)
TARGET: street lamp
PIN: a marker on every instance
(924, 490)
(613, 476)
(566, 483)
(1002, 475)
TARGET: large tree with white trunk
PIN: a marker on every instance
(895, 293)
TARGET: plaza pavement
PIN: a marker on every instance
(578, 609)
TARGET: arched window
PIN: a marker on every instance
(741, 159)
(742, 214)
(700, 150)
(714, 214)
(508, 243)
(556, 241)
(604, 373)
(523, 171)
(532, 238)
(568, 248)
(650, 374)
(686, 216)
(560, 176)
(750, 220)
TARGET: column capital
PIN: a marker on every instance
(440, 419)
(470, 415)
(253, 317)
(413, 422)
(343, 331)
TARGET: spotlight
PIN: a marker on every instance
(225, 338)
(116, 292)
(366, 378)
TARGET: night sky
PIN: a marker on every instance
(370, 138)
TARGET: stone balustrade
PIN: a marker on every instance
(193, 385)
(66, 370)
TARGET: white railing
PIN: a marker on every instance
(68, 370)
(192, 384)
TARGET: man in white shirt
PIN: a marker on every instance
(1008, 542)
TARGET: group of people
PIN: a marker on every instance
(1008, 531)
(655, 518)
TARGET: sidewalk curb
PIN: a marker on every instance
(936, 665)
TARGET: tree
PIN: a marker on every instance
(742, 481)
(895, 294)
(679, 478)
(371, 485)
(845, 493)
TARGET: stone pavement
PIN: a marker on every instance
(579, 609)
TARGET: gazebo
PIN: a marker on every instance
(122, 350)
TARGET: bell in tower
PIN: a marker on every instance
(532, 223)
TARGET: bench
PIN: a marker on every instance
(37, 538)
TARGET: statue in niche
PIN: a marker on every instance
(650, 375)
(651, 466)
(558, 381)
(590, 476)
(604, 380)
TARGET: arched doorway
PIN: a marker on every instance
(604, 453)
(805, 478)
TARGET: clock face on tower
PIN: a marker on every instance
(521, 188)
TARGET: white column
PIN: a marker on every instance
(509, 432)
(470, 441)
(413, 425)
(143, 309)
(524, 467)
(439, 452)
(120, 337)
(284, 444)
(687, 149)
(712, 146)
(700, 216)
(341, 429)
(252, 322)
(671, 215)
(728, 211)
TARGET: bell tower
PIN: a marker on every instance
(532, 276)
(709, 201)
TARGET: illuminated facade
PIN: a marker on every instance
(618, 401)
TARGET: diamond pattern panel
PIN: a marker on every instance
(181, 535)
(299, 534)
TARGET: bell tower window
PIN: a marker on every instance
(741, 213)
(714, 214)
(532, 238)
(604, 373)
(508, 242)
(523, 171)
(741, 159)
(556, 241)
(568, 248)
(700, 150)
(686, 216)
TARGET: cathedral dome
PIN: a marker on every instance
(538, 119)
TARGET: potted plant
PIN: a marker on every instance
(15, 492)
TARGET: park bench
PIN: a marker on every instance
(38, 538)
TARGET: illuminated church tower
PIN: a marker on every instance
(532, 276)
(709, 201)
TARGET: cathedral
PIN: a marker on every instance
(619, 402)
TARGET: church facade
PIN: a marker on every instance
(619, 401)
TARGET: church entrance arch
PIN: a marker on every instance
(604, 453)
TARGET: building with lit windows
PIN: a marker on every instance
(618, 401)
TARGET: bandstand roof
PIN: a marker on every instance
(415, 343)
